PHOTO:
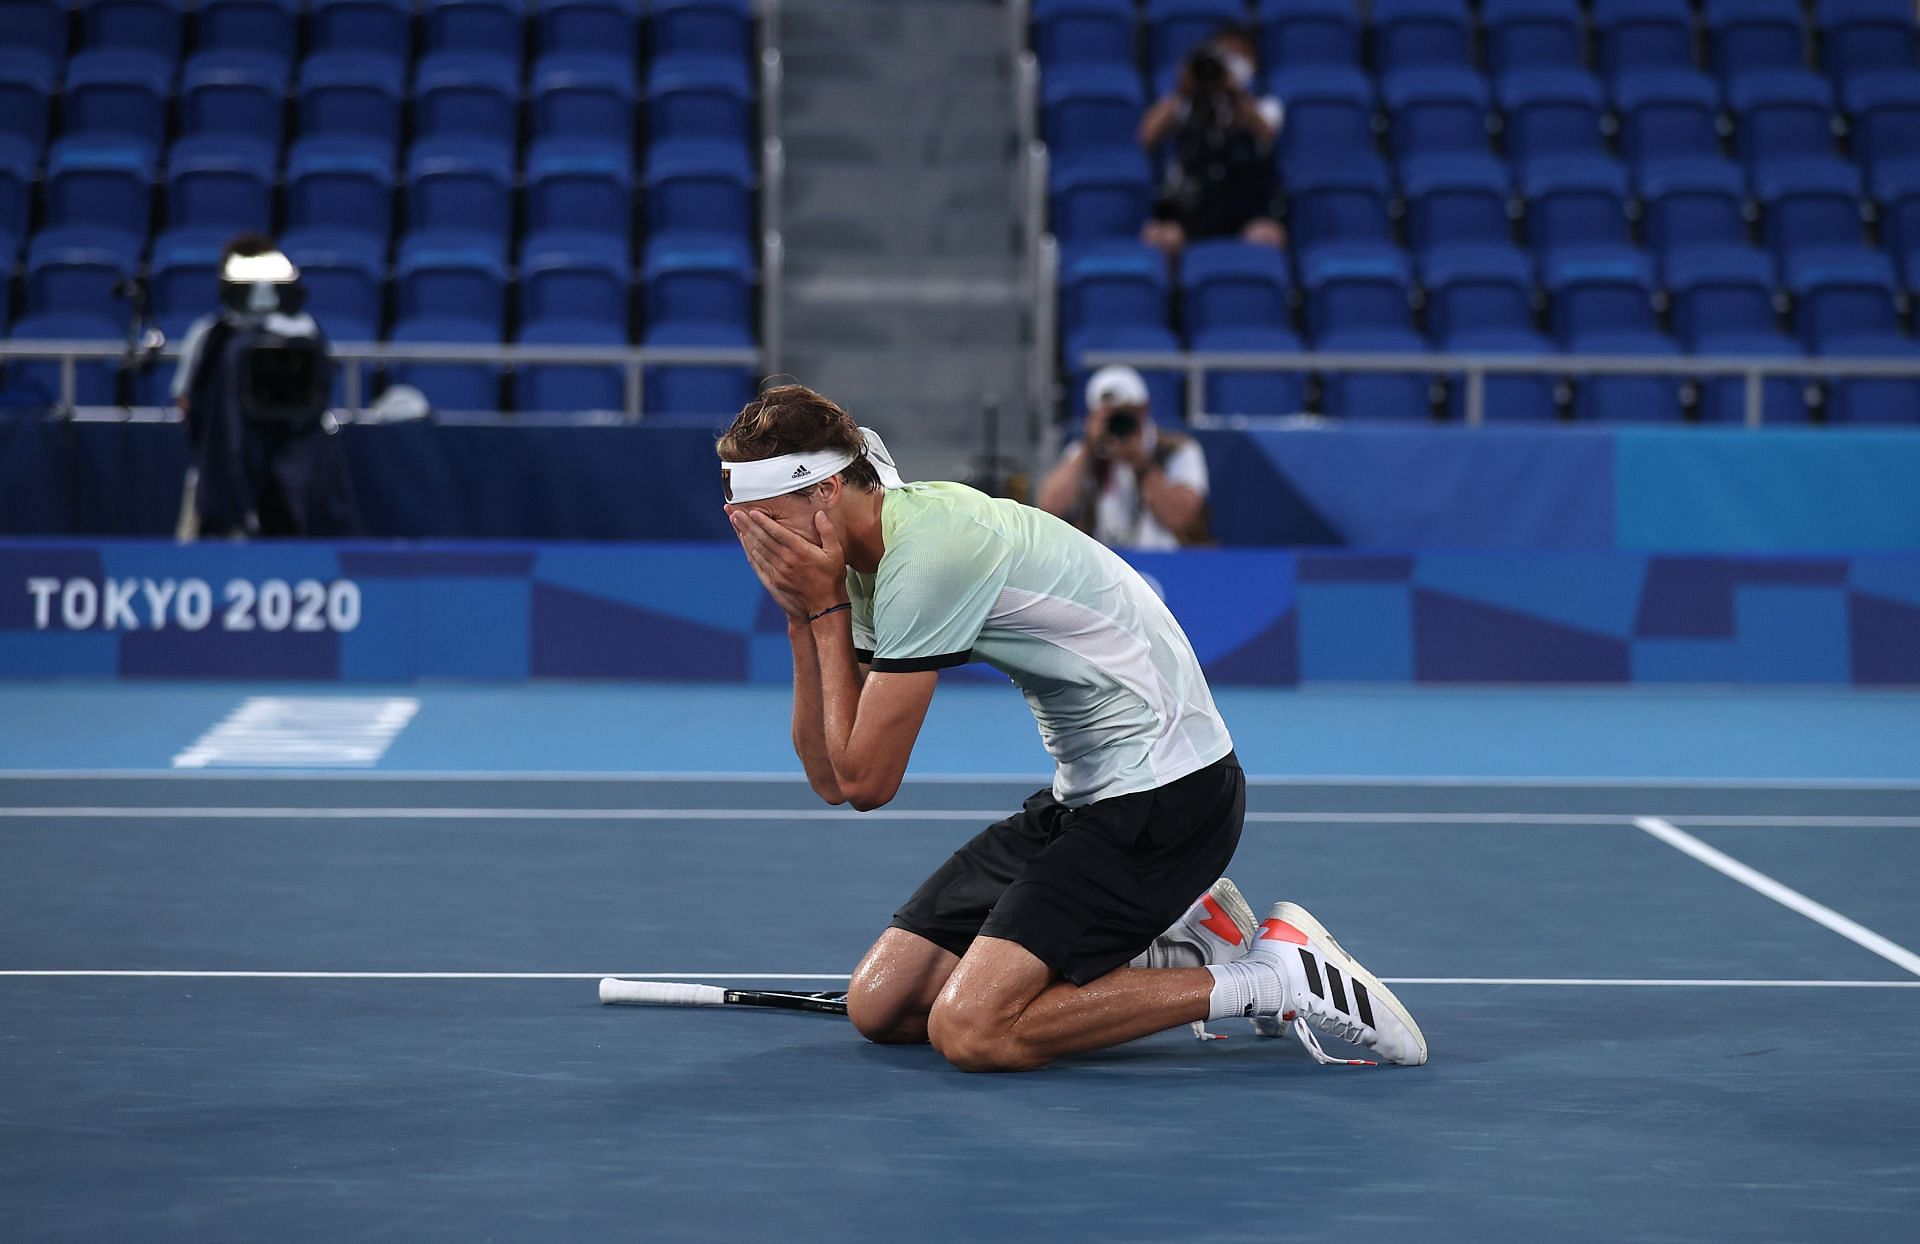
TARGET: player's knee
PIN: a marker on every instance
(885, 1017)
(974, 1041)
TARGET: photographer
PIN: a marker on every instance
(1220, 180)
(1126, 482)
(253, 383)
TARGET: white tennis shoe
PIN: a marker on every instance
(1327, 990)
(1216, 929)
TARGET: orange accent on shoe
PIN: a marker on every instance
(1281, 931)
(1219, 922)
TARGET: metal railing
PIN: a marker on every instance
(1475, 368)
(773, 171)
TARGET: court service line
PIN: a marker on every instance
(1784, 895)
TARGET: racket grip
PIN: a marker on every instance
(617, 992)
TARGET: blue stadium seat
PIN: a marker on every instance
(1896, 186)
(1457, 199)
(461, 183)
(450, 386)
(351, 94)
(1083, 32)
(485, 27)
(1165, 389)
(1885, 107)
(711, 393)
(1480, 300)
(1603, 304)
(697, 97)
(121, 91)
(36, 27)
(16, 203)
(341, 183)
(1437, 109)
(1783, 114)
(1532, 33)
(1809, 205)
(1357, 300)
(581, 185)
(1693, 204)
(475, 93)
(1329, 117)
(1844, 308)
(575, 276)
(237, 94)
(73, 270)
(39, 382)
(1643, 34)
(376, 27)
(100, 183)
(1723, 304)
(1747, 36)
(1110, 285)
(609, 27)
(27, 81)
(1294, 33)
(1862, 36)
(584, 95)
(183, 277)
(695, 187)
(717, 28)
(1088, 107)
(1551, 112)
(1421, 32)
(552, 388)
(1574, 205)
(437, 275)
(216, 182)
(1227, 284)
(700, 283)
(1229, 391)
(1339, 205)
(264, 26)
(345, 275)
(1176, 27)
(1099, 196)
(1667, 114)
(151, 26)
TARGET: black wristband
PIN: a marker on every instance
(815, 617)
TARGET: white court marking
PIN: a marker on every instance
(1784, 895)
(300, 730)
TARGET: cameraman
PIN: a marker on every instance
(1126, 482)
(253, 383)
(1220, 180)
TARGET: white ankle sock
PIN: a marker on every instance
(1247, 985)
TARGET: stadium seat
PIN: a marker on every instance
(1294, 33)
(74, 270)
(236, 94)
(1115, 284)
(436, 275)
(268, 27)
(698, 283)
(461, 183)
(1844, 308)
(216, 182)
(609, 27)
(1575, 204)
(695, 187)
(344, 275)
(32, 383)
(1532, 33)
(1723, 304)
(36, 27)
(1551, 112)
(1809, 205)
(449, 386)
(476, 93)
(1090, 107)
(1357, 300)
(1227, 284)
(150, 26)
(696, 390)
(720, 28)
(27, 81)
(119, 91)
(584, 95)
(697, 97)
(580, 184)
(1339, 205)
(351, 94)
(1784, 114)
(367, 27)
(1437, 109)
(575, 276)
(1407, 33)
(1885, 107)
(484, 27)
(1896, 187)
(1667, 114)
(1083, 32)
(16, 203)
(552, 388)
(1098, 197)
(1643, 34)
(183, 278)
(341, 183)
(1863, 36)
(1480, 301)
(1166, 390)
(1329, 117)
(1747, 36)
(1457, 199)
(1691, 204)
(100, 183)
(1176, 27)
(1230, 391)
(1603, 304)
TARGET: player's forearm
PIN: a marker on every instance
(809, 731)
(864, 773)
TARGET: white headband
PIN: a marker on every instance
(776, 477)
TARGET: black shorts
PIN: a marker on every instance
(1086, 889)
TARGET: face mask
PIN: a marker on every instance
(1239, 68)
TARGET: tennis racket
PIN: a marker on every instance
(617, 992)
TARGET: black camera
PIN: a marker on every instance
(1123, 422)
(1206, 70)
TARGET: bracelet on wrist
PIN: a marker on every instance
(815, 617)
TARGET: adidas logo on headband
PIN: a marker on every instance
(798, 472)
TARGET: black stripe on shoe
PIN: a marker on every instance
(1313, 974)
(1339, 989)
(1366, 1006)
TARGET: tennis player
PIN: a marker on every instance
(1073, 924)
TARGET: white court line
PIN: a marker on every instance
(1784, 895)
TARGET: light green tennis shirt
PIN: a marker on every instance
(1112, 681)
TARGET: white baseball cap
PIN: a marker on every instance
(1116, 386)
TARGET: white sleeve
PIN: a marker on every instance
(1272, 111)
(1188, 465)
